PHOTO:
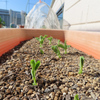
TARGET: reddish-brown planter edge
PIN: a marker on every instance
(87, 42)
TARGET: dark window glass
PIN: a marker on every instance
(60, 16)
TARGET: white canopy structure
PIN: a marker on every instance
(42, 16)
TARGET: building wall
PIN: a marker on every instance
(10, 16)
(17, 17)
(5, 16)
(83, 15)
(57, 4)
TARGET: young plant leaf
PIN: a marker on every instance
(41, 40)
(81, 64)
(58, 42)
(65, 47)
(35, 65)
(33, 62)
(61, 46)
(37, 38)
(41, 51)
(56, 50)
(76, 97)
(45, 36)
(50, 39)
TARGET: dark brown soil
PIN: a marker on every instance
(57, 78)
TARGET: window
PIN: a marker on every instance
(60, 16)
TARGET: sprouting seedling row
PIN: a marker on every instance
(35, 65)
(41, 40)
(57, 51)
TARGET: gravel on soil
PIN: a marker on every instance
(57, 78)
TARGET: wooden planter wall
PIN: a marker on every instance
(88, 42)
(9, 38)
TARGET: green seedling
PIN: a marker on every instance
(81, 64)
(41, 51)
(35, 65)
(45, 36)
(58, 42)
(56, 50)
(41, 39)
(65, 47)
(50, 39)
(76, 97)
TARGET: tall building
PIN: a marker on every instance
(10, 16)
(5, 16)
(83, 15)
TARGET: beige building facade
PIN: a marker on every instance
(83, 15)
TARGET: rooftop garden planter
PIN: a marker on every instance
(57, 78)
(85, 41)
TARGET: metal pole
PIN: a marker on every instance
(27, 5)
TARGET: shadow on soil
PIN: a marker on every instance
(93, 74)
(76, 53)
(8, 54)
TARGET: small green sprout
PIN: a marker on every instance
(65, 47)
(35, 65)
(45, 36)
(41, 39)
(41, 51)
(56, 50)
(58, 42)
(76, 97)
(81, 64)
(50, 39)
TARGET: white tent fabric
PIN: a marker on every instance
(42, 16)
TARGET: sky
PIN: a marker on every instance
(20, 5)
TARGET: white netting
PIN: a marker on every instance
(42, 16)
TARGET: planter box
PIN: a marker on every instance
(55, 77)
(87, 42)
